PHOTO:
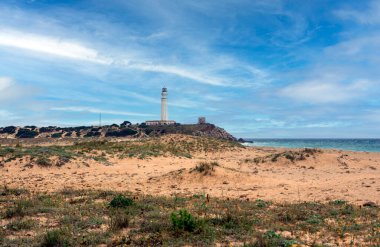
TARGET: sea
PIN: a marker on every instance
(363, 145)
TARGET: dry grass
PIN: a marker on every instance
(102, 150)
(75, 218)
(292, 156)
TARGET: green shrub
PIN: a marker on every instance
(92, 134)
(271, 238)
(121, 201)
(21, 225)
(19, 209)
(56, 238)
(43, 161)
(8, 130)
(261, 203)
(12, 191)
(26, 133)
(183, 221)
(119, 220)
(205, 168)
(121, 133)
(56, 135)
(338, 202)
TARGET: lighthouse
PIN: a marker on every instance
(164, 105)
(164, 111)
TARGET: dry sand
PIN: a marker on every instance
(330, 175)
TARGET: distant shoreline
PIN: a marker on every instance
(352, 144)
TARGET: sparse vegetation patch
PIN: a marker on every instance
(292, 156)
(79, 218)
(205, 168)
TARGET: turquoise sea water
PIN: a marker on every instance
(365, 145)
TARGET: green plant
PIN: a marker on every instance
(119, 220)
(56, 238)
(18, 225)
(338, 202)
(121, 201)
(19, 209)
(261, 203)
(56, 135)
(43, 161)
(26, 133)
(314, 219)
(205, 168)
(183, 221)
(12, 191)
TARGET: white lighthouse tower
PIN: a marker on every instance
(164, 111)
(164, 105)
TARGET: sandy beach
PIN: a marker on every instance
(248, 173)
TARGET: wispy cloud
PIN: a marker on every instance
(10, 90)
(175, 70)
(50, 45)
(370, 15)
(75, 50)
(97, 110)
(324, 91)
(8, 116)
(304, 65)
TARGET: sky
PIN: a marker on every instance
(259, 69)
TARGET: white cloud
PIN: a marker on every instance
(6, 115)
(5, 83)
(141, 97)
(211, 97)
(369, 16)
(11, 90)
(360, 47)
(210, 74)
(322, 91)
(50, 45)
(95, 110)
(178, 71)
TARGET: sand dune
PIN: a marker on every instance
(246, 173)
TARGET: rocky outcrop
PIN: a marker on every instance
(209, 130)
(215, 132)
(126, 129)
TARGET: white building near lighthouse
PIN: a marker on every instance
(164, 111)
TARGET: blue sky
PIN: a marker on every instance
(286, 69)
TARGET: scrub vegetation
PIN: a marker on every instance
(89, 218)
(102, 150)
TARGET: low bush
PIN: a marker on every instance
(8, 130)
(43, 161)
(183, 221)
(5, 191)
(19, 209)
(19, 225)
(92, 134)
(56, 135)
(205, 168)
(121, 201)
(119, 220)
(57, 238)
(121, 133)
(26, 133)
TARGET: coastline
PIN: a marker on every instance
(348, 144)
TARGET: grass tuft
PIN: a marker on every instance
(205, 168)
